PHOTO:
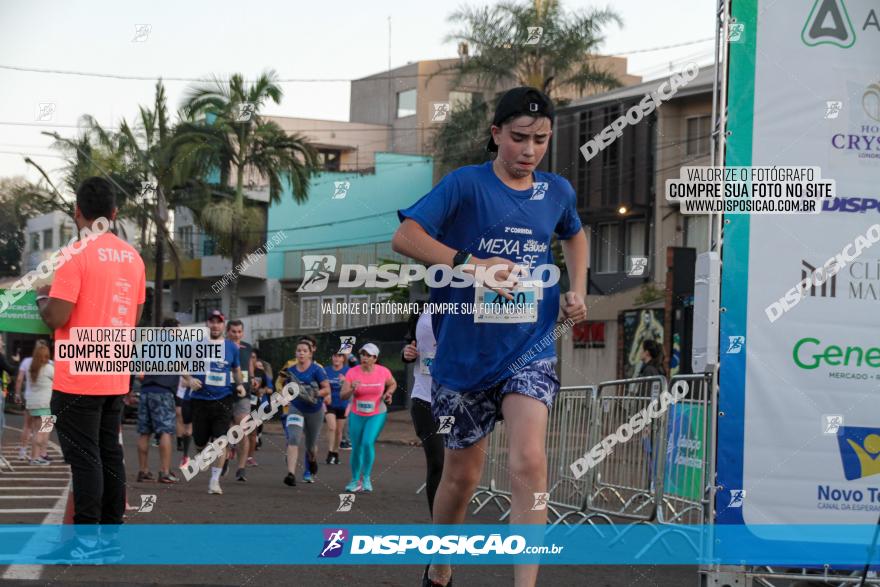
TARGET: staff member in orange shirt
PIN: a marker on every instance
(103, 285)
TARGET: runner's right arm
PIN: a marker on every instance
(411, 240)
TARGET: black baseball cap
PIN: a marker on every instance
(216, 314)
(523, 100)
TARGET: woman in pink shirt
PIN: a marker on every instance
(372, 386)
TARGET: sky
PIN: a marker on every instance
(339, 40)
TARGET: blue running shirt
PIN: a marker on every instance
(471, 209)
(217, 383)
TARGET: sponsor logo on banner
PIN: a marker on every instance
(829, 24)
(735, 344)
(828, 287)
(857, 205)
(859, 451)
(862, 137)
(871, 101)
(334, 542)
(852, 361)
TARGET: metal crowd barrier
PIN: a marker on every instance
(662, 473)
(689, 454)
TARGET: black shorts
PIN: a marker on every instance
(210, 419)
(338, 412)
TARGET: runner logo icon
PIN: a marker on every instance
(446, 423)
(334, 541)
(317, 270)
(539, 190)
(736, 498)
(735, 344)
(829, 24)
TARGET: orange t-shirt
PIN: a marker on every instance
(106, 282)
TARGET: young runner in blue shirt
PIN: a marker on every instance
(212, 400)
(336, 406)
(492, 364)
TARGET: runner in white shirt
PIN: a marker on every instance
(421, 350)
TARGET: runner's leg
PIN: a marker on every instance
(356, 425)
(462, 469)
(372, 429)
(526, 422)
(432, 444)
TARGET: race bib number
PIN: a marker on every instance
(492, 307)
(427, 359)
(215, 379)
(295, 420)
(365, 406)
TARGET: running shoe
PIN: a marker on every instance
(251, 462)
(307, 477)
(239, 475)
(22, 453)
(329, 460)
(313, 467)
(290, 480)
(46, 458)
(184, 462)
(345, 445)
(368, 485)
(426, 582)
(168, 479)
(111, 551)
(354, 487)
(214, 488)
(72, 552)
(145, 476)
(156, 440)
(335, 458)
(40, 462)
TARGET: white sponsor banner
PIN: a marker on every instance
(822, 357)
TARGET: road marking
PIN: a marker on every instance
(53, 516)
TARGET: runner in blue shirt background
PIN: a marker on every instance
(212, 401)
(491, 365)
(336, 414)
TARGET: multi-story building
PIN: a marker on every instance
(404, 99)
(621, 201)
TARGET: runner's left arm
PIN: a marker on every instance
(575, 251)
(390, 388)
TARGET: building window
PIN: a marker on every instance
(696, 232)
(589, 335)
(699, 130)
(382, 318)
(460, 99)
(635, 238)
(607, 248)
(309, 312)
(254, 305)
(362, 317)
(332, 320)
(185, 241)
(209, 246)
(203, 306)
(328, 159)
(406, 103)
(66, 232)
(47, 238)
(35, 241)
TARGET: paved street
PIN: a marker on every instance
(34, 497)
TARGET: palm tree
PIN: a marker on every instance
(561, 57)
(228, 137)
(497, 36)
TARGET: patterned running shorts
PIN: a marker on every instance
(476, 411)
